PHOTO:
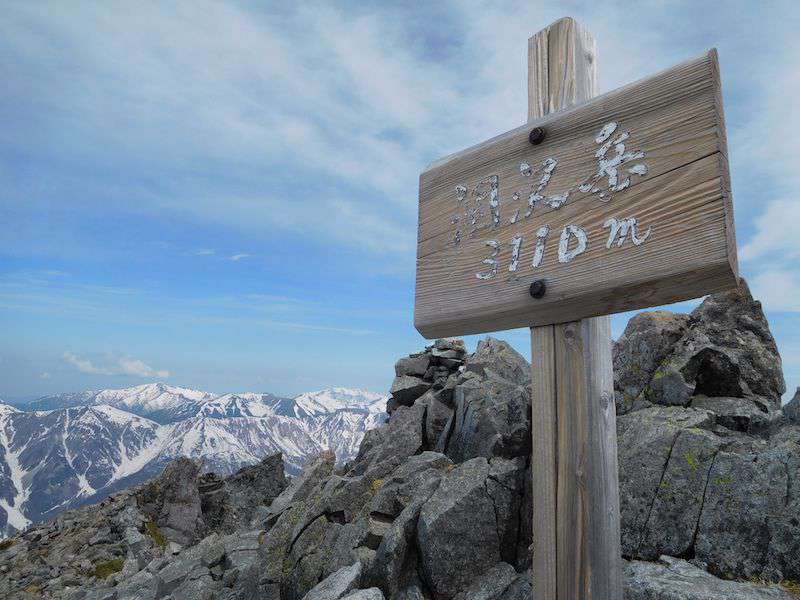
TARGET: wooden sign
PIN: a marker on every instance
(625, 203)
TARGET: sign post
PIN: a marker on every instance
(577, 548)
(597, 205)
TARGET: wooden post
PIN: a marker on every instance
(651, 154)
(576, 529)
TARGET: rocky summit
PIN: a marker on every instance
(437, 502)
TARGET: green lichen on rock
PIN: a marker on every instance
(154, 532)
(793, 587)
(6, 544)
(375, 486)
(106, 568)
(692, 461)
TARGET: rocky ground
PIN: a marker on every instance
(437, 504)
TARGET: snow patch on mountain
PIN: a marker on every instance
(249, 404)
(158, 401)
(336, 399)
(52, 459)
(14, 501)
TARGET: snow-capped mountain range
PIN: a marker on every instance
(71, 449)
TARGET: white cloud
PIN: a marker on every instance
(203, 252)
(84, 365)
(44, 375)
(778, 290)
(775, 232)
(137, 368)
(118, 366)
(238, 257)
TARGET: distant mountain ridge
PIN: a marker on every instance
(66, 450)
(157, 401)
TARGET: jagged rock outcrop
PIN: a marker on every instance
(430, 370)
(172, 501)
(233, 502)
(708, 462)
(148, 542)
(723, 349)
(437, 503)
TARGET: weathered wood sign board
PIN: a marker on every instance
(625, 204)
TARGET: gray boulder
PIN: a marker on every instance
(393, 494)
(730, 501)
(400, 438)
(336, 585)
(418, 373)
(273, 554)
(457, 532)
(144, 585)
(201, 587)
(438, 412)
(675, 579)
(723, 349)
(315, 471)
(645, 442)
(739, 414)
(491, 585)
(520, 589)
(734, 323)
(497, 359)
(750, 521)
(491, 418)
(241, 549)
(405, 389)
(394, 566)
(231, 502)
(370, 594)
(415, 365)
(648, 339)
(180, 569)
(678, 501)
(172, 501)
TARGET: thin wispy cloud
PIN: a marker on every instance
(238, 257)
(128, 307)
(137, 368)
(84, 365)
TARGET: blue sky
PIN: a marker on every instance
(224, 197)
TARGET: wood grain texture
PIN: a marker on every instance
(566, 81)
(544, 460)
(604, 539)
(675, 117)
(576, 529)
(572, 369)
(572, 490)
(568, 39)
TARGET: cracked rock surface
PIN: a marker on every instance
(437, 504)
